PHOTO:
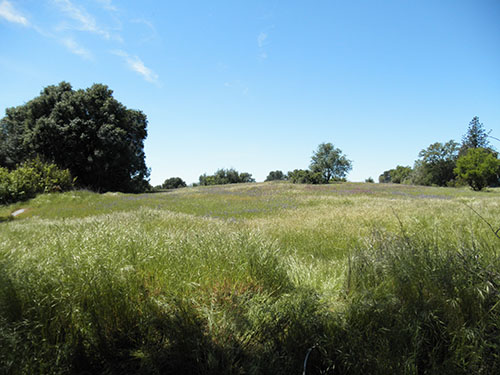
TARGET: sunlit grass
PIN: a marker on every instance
(234, 279)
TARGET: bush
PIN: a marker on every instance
(173, 183)
(304, 176)
(32, 178)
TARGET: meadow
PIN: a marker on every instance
(253, 279)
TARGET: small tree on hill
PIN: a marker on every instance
(479, 168)
(275, 176)
(173, 183)
(330, 163)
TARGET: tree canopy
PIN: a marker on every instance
(173, 183)
(476, 137)
(479, 168)
(436, 164)
(330, 162)
(398, 175)
(88, 131)
(276, 176)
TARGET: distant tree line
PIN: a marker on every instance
(328, 164)
(225, 176)
(473, 162)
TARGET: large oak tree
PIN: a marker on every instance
(86, 131)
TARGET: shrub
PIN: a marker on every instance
(303, 176)
(32, 178)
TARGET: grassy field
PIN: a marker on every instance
(249, 278)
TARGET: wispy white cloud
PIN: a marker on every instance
(77, 49)
(9, 13)
(261, 39)
(86, 22)
(136, 64)
(152, 34)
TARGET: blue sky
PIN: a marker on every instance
(258, 85)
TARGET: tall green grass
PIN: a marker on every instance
(416, 305)
(247, 279)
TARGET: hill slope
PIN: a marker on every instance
(247, 278)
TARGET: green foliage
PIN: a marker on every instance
(476, 137)
(436, 164)
(225, 176)
(369, 180)
(330, 162)
(479, 168)
(86, 131)
(305, 176)
(31, 178)
(399, 175)
(173, 183)
(275, 176)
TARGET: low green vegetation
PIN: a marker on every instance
(249, 278)
(31, 178)
(305, 176)
(225, 176)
